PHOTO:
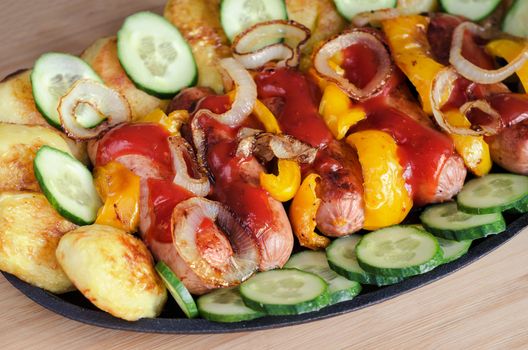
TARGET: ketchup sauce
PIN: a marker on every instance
(297, 112)
(232, 187)
(145, 139)
(163, 196)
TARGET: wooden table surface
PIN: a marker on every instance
(482, 306)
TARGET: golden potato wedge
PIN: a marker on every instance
(114, 270)
(18, 146)
(321, 17)
(17, 105)
(199, 23)
(102, 56)
(30, 230)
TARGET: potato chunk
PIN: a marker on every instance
(18, 146)
(30, 230)
(114, 270)
(102, 56)
(17, 105)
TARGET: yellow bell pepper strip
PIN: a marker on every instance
(303, 211)
(172, 122)
(509, 50)
(119, 188)
(283, 186)
(263, 115)
(387, 201)
(473, 149)
(338, 111)
(407, 38)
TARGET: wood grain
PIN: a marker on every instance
(484, 306)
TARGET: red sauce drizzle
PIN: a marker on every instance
(421, 150)
(360, 64)
(163, 197)
(149, 140)
(298, 113)
(248, 201)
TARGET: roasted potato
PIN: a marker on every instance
(17, 105)
(199, 23)
(321, 17)
(18, 145)
(114, 270)
(30, 230)
(102, 56)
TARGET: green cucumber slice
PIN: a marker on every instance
(177, 290)
(53, 75)
(67, 184)
(494, 193)
(226, 305)
(446, 221)
(285, 292)
(516, 20)
(399, 251)
(351, 8)
(474, 10)
(155, 55)
(453, 250)
(340, 288)
(341, 255)
(238, 15)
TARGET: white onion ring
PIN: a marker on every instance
(341, 42)
(246, 94)
(100, 99)
(473, 72)
(375, 17)
(485, 107)
(247, 45)
(187, 217)
(179, 149)
(443, 83)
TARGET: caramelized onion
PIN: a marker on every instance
(375, 17)
(89, 99)
(246, 94)
(267, 146)
(287, 38)
(215, 263)
(182, 158)
(442, 87)
(473, 72)
(337, 44)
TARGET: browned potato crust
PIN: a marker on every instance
(114, 270)
(18, 146)
(199, 23)
(30, 230)
(17, 105)
(102, 56)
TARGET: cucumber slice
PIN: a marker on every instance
(475, 10)
(350, 8)
(399, 251)
(340, 288)
(285, 292)
(341, 255)
(67, 184)
(494, 193)
(226, 305)
(53, 75)
(446, 221)
(516, 20)
(453, 250)
(238, 15)
(155, 55)
(177, 290)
